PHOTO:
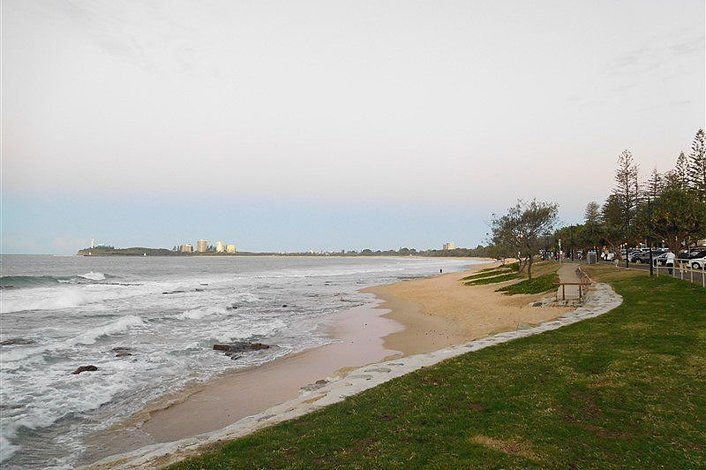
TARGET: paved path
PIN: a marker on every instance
(567, 273)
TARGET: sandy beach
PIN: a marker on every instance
(411, 317)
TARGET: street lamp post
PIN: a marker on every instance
(560, 250)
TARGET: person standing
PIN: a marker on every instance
(670, 261)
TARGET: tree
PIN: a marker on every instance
(522, 229)
(591, 233)
(613, 229)
(676, 217)
(653, 186)
(697, 167)
(592, 214)
(627, 187)
(681, 172)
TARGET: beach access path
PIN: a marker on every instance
(567, 273)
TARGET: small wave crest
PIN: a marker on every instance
(60, 299)
(92, 276)
(118, 326)
(246, 297)
(86, 338)
(24, 282)
(199, 313)
(8, 282)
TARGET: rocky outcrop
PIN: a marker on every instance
(122, 351)
(16, 341)
(89, 368)
(235, 350)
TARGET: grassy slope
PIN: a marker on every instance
(625, 390)
(536, 285)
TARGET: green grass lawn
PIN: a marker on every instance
(624, 390)
(483, 274)
(536, 285)
(500, 277)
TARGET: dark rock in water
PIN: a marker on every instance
(232, 307)
(284, 306)
(16, 341)
(90, 368)
(199, 290)
(321, 382)
(240, 347)
(173, 292)
(122, 351)
(233, 356)
(8, 287)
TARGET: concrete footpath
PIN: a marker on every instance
(567, 273)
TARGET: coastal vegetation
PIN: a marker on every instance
(667, 208)
(499, 277)
(522, 230)
(536, 285)
(546, 281)
(623, 390)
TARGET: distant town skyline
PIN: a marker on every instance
(330, 125)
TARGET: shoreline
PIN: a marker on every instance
(408, 318)
(599, 300)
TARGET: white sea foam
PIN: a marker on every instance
(42, 299)
(118, 326)
(93, 276)
(245, 297)
(86, 338)
(199, 313)
(7, 449)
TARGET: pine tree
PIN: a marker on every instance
(681, 172)
(697, 166)
(592, 214)
(654, 185)
(627, 187)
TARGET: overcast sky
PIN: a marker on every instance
(293, 125)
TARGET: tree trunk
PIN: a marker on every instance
(529, 267)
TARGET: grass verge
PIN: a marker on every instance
(493, 279)
(485, 274)
(624, 390)
(536, 285)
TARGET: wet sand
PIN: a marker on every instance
(414, 317)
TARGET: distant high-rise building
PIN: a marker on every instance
(220, 247)
(186, 248)
(202, 246)
(449, 246)
(230, 248)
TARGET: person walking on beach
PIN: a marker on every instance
(670, 261)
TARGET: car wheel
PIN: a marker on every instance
(637, 261)
(695, 265)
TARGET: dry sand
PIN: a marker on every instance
(441, 311)
(415, 317)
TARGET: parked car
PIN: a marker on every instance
(659, 260)
(698, 263)
(642, 257)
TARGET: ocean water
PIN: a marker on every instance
(59, 313)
